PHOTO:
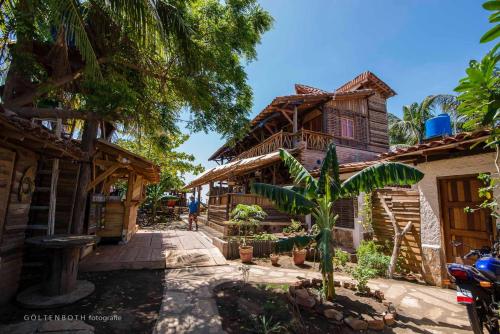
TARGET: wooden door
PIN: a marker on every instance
(473, 230)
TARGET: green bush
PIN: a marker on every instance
(370, 256)
(265, 236)
(340, 258)
(362, 275)
(294, 227)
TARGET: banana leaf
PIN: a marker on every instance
(285, 199)
(287, 245)
(329, 171)
(380, 175)
(298, 172)
(325, 242)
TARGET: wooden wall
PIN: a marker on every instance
(13, 217)
(377, 123)
(405, 205)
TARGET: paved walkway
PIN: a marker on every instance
(156, 250)
(189, 307)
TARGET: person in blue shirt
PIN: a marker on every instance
(193, 212)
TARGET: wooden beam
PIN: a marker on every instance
(286, 116)
(53, 186)
(103, 176)
(269, 129)
(295, 120)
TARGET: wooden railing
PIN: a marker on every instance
(278, 140)
(312, 140)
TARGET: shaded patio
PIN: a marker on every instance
(156, 250)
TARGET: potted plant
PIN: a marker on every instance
(246, 217)
(274, 258)
(299, 255)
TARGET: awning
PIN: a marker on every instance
(234, 168)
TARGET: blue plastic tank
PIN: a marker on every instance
(439, 126)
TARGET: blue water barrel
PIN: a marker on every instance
(439, 126)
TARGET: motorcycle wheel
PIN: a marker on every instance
(476, 322)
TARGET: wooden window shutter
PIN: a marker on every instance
(360, 128)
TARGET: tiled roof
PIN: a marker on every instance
(41, 139)
(367, 77)
(304, 89)
(460, 138)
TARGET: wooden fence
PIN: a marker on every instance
(405, 205)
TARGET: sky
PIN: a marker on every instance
(418, 47)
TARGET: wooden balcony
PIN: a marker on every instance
(309, 140)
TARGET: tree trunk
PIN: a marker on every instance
(330, 295)
(88, 147)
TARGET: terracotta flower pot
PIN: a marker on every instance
(274, 259)
(299, 256)
(246, 254)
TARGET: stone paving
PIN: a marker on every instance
(189, 307)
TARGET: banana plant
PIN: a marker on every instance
(316, 196)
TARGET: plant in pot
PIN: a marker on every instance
(246, 218)
(294, 228)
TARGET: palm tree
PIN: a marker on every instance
(316, 197)
(411, 128)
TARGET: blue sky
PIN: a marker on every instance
(418, 47)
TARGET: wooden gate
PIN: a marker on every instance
(405, 205)
(473, 230)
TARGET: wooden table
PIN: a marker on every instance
(60, 285)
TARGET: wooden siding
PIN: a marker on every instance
(378, 126)
(405, 205)
(16, 220)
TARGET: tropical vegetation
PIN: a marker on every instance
(410, 129)
(316, 196)
(138, 66)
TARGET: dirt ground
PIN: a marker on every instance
(252, 313)
(130, 300)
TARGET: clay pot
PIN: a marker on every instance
(246, 254)
(299, 256)
(274, 259)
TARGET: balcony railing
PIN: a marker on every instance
(275, 142)
(310, 140)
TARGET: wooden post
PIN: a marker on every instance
(128, 204)
(53, 185)
(398, 237)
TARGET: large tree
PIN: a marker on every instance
(138, 63)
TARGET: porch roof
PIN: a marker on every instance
(237, 167)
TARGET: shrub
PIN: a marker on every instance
(247, 217)
(265, 236)
(370, 256)
(362, 275)
(294, 227)
(340, 257)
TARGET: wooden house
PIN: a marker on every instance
(354, 117)
(21, 148)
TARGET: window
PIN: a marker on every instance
(347, 127)
(345, 209)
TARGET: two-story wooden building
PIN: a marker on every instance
(354, 117)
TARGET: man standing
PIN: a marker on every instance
(193, 212)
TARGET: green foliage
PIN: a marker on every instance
(294, 227)
(379, 176)
(149, 64)
(411, 128)
(265, 237)
(371, 256)
(340, 258)
(366, 212)
(362, 275)
(268, 326)
(247, 217)
(494, 32)
(300, 199)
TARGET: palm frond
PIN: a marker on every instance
(70, 16)
(329, 171)
(285, 199)
(379, 176)
(299, 173)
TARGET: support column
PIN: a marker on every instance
(199, 200)
(295, 126)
